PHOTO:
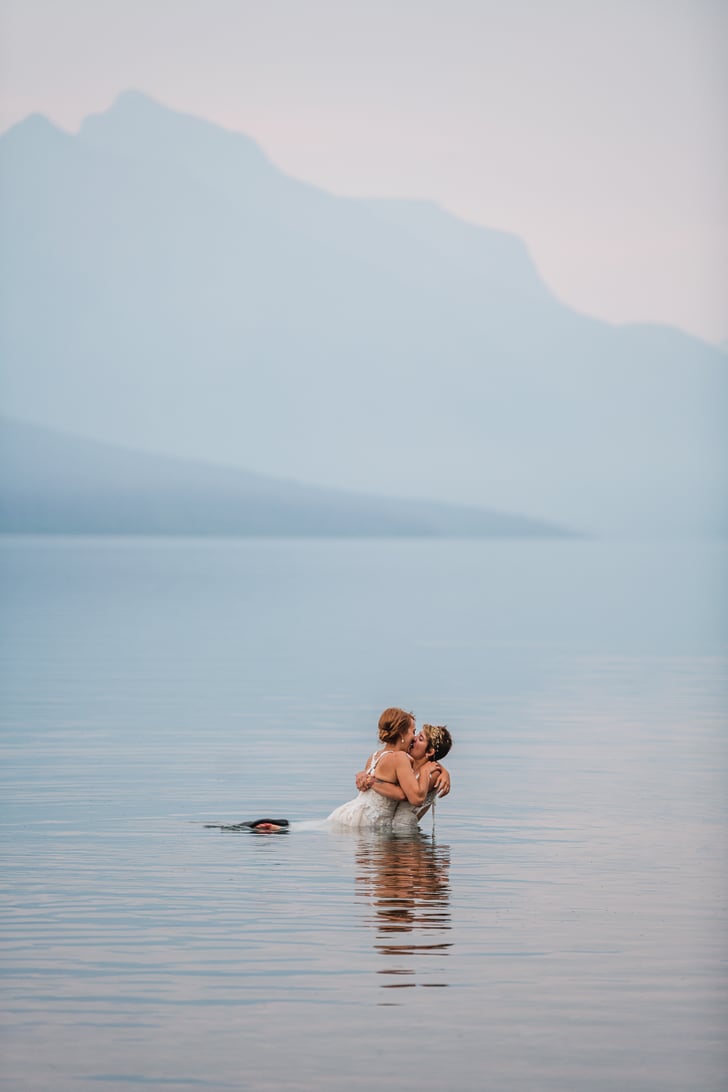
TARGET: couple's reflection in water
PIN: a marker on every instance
(405, 886)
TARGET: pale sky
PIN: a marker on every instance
(597, 130)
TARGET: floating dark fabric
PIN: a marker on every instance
(253, 824)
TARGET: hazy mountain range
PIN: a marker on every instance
(165, 287)
(51, 483)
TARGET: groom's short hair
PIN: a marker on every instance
(439, 739)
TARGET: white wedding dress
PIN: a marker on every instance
(406, 816)
(368, 810)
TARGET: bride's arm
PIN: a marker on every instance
(435, 777)
(386, 788)
(366, 781)
(414, 792)
(440, 779)
(406, 781)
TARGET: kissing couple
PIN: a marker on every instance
(398, 785)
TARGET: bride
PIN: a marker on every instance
(396, 788)
(431, 744)
(403, 789)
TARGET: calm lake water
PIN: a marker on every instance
(563, 927)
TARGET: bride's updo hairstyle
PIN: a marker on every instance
(438, 738)
(393, 724)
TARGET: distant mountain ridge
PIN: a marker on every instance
(163, 286)
(57, 484)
